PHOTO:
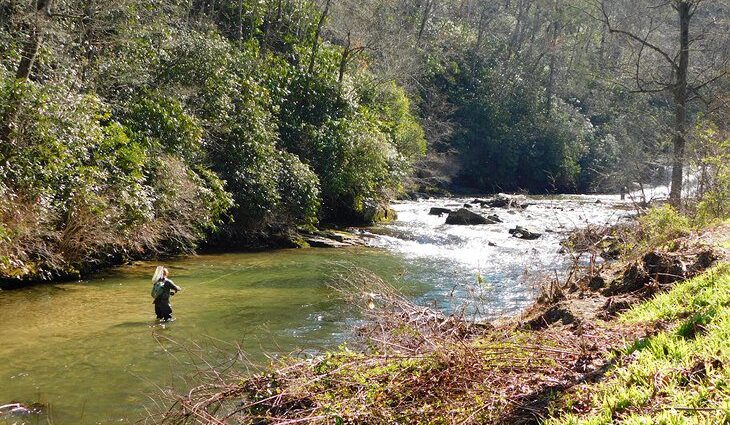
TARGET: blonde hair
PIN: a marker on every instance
(165, 272)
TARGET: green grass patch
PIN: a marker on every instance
(678, 376)
(707, 292)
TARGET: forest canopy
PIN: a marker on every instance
(141, 126)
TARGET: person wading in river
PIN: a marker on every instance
(162, 289)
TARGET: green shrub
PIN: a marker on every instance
(89, 187)
(712, 157)
(662, 224)
(161, 124)
(299, 190)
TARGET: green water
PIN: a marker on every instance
(92, 352)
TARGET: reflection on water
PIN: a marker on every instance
(91, 351)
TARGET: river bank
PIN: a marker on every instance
(18, 270)
(613, 343)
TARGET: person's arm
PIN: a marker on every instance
(173, 286)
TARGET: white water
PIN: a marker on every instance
(448, 258)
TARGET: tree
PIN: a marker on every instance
(32, 29)
(677, 77)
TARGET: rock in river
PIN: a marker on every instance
(466, 217)
(439, 211)
(523, 233)
(509, 201)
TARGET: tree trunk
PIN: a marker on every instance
(343, 59)
(424, 19)
(239, 30)
(22, 73)
(680, 105)
(553, 46)
(315, 42)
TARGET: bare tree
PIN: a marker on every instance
(315, 41)
(669, 62)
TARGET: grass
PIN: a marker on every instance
(681, 375)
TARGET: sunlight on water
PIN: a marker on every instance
(456, 255)
(91, 352)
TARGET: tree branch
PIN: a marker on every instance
(634, 37)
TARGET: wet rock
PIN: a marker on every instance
(320, 242)
(376, 213)
(20, 409)
(495, 218)
(439, 211)
(466, 217)
(490, 243)
(500, 201)
(524, 233)
(329, 239)
(506, 201)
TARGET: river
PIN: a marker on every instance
(90, 351)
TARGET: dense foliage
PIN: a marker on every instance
(140, 128)
(142, 125)
(505, 137)
(548, 95)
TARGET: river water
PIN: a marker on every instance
(90, 351)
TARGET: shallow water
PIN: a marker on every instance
(91, 351)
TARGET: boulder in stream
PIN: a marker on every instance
(439, 211)
(321, 242)
(495, 218)
(524, 233)
(466, 217)
(507, 201)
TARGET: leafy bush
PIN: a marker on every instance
(149, 143)
(508, 138)
(90, 188)
(298, 189)
(359, 139)
(662, 224)
(711, 153)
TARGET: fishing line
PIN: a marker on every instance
(221, 277)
